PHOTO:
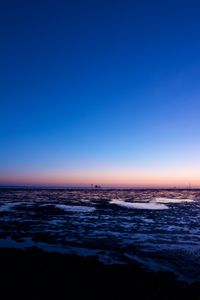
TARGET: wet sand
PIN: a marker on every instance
(35, 274)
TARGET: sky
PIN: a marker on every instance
(102, 92)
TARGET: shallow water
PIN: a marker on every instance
(158, 228)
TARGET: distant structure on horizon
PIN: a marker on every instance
(95, 186)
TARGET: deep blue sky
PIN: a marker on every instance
(103, 90)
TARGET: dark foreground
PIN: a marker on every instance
(34, 274)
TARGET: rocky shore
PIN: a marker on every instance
(35, 274)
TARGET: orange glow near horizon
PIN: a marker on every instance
(113, 178)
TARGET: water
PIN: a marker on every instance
(157, 228)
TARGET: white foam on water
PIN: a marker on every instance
(75, 208)
(139, 205)
(171, 200)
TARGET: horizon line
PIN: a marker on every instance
(99, 187)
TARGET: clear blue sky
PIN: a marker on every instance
(103, 91)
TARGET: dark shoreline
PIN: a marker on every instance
(35, 274)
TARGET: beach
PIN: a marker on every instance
(35, 274)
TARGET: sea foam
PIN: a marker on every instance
(75, 208)
(139, 205)
(171, 200)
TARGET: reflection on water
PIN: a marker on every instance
(158, 228)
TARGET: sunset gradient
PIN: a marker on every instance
(100, 92)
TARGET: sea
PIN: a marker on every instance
(159, 229)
